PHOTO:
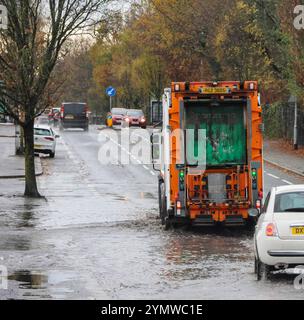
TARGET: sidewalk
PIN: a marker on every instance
(7, 130)
(12, 166)
(281, 154)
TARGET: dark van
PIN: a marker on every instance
(74, 115)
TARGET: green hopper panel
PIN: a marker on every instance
(225, 131)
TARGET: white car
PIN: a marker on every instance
(45, 140)
(279, 235)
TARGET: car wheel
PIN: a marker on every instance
(263, 271)
(52, 155)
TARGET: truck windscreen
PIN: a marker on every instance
(225, 129)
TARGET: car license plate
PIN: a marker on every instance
(297, 231)
(69, 117)
(37, 146)
(215, 90)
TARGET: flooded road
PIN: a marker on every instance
(97, 236)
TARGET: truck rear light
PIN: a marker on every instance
(271, 230)
(258, 204)
(261, 194)
(178, 208)
(86, 110)
(62, 112)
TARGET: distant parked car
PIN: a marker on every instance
(279, 236)
(74, 115)
(42, 120)
(134, 118)
(117, 115)
(54, 115)
(45, 140)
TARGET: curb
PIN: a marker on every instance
(38, 174)
(284, 168)
(8, 136)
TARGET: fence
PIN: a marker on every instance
(279, 122)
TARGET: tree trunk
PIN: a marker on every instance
(31, 189)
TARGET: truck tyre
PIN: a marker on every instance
(163, 203)
(167, 224)
(160, 182)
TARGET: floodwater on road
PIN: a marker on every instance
(97, 236)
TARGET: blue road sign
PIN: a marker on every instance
(111, 92)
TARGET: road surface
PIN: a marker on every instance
(97, 236)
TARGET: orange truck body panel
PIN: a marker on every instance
(242, 192)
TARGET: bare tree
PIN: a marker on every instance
(29, 51)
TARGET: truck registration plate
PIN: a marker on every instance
(215, 90)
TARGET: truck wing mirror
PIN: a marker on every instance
(155, 150)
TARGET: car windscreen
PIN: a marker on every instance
(42, 132)
(135, 113)
(74, 108)
(289, 202)
(118, 112)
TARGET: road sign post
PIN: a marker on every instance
(111, 92)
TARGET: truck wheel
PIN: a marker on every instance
(160, 182)
(167, 224)
(162, 202)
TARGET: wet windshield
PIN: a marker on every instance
(118, 112)
(135, 113)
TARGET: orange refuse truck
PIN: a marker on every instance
(210, 154)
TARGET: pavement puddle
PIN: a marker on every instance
(29, 279)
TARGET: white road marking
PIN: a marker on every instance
(273, 176)
(130, 154)
(288, 182)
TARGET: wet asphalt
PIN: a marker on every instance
(97, 236)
